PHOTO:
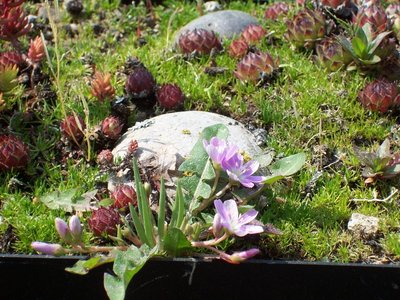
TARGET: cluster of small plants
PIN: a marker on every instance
(213, 171)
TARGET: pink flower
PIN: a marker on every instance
(233, 223)
(241, 172)
(238, 257)
(49, 249)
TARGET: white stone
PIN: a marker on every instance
(362, 225)
(211, 6)
(164, 141)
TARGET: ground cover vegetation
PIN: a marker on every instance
(319, 78)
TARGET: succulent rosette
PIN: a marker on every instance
(238, 48)
(374, 15)
(253, 33)
(105, 157)
(72, 128)
(123, 195)
(331, 55)
(104, 220)
(111, 127)
(14, 154)
(276, 10)
(200, 41)
(380, 95)
(170, 96)
(14, 23)
(11, 58)
(307, 27)
(140, 83)
(256, 66)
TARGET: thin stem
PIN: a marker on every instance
(252, 196)
(207, 202)
(208, 243)
(217, 175)
(386, 200)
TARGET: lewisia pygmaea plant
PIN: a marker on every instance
(141, 229)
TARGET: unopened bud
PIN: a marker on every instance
(63, 230)
(217, 228)
(147, 188)
(238, 257)
(48, 249)
(75, 228)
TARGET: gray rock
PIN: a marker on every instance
(165, 141)
(363, 226)
(211, 6)
(225, 23)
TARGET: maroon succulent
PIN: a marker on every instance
(104, 220)
(140, 83)
(306, 28)
(72, 128)
(170, 96)
(253, 33)
(36, 50)
(379, 95)
(238, 48)
(13, 23)
(111, 127)
(11, 58)
(331, 54)
(200, 41)
(374, 15)
(10, 3)
(255, 66)
(14, 154)
(105, 157)
(123, 195)
(276, 10)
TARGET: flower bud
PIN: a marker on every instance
(63, 230)
(75, 228)
(48, 249)
(238, 257)
(217, 226)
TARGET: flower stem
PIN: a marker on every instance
(209, 243)
(207, 202)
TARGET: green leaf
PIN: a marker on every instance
(126, 265)
(391, 171)
(272, 179)
(197, 169)
(178, 211)
(144, 207)
(359, 47)
(66, 200)
(347, 45)
(161, 214)
(114, 287)
(82, 267)
(289, 165)
(372, 61)
(384, 149)
(138, 225)
(176, 243)
(377, 41)
(264, 159)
